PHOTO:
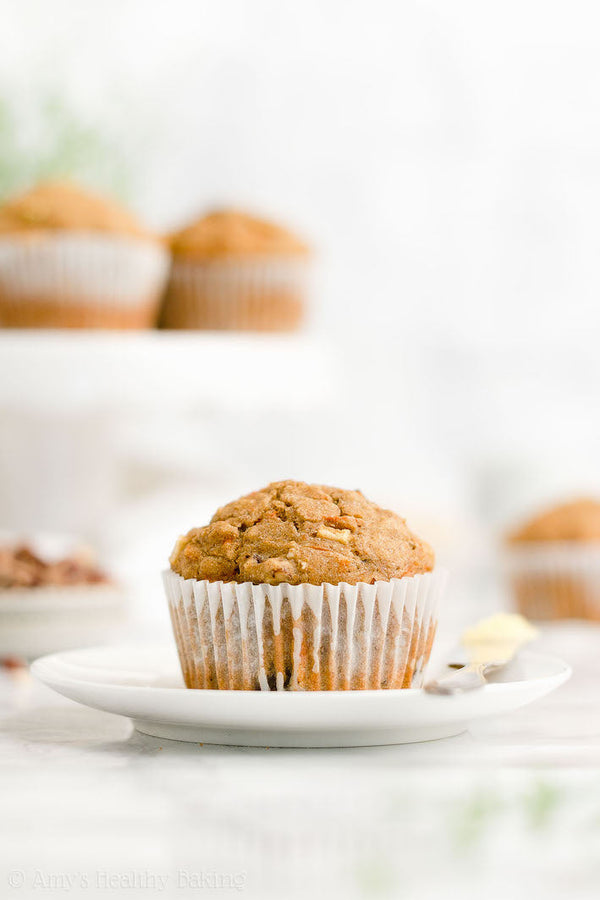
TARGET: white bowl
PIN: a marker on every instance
(39, 620)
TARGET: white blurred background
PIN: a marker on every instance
(443, 159)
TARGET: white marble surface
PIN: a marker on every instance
(92, 808)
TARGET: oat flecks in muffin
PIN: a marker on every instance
(61, 205)
(578, 520)
(232, 234)
(296, 533)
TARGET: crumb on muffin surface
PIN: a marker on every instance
(296, 533)
(577, 520)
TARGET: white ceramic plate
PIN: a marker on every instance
(145, 684)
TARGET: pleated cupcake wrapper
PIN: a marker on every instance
(304, 637)
(555, 581)
(263, 294)
(71, 271)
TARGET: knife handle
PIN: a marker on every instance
(469, 678)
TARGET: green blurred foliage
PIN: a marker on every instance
(542, 804)
(47, 138)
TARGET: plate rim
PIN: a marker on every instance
(38, 666)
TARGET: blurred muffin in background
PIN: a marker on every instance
(70, 258)
(53, 601)
(554, 562)
(232, 271)
(303, 587)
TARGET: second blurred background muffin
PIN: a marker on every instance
(232, 271)
(70, 258)
(554, 562)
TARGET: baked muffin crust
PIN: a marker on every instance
(60, 205)
(296, 533)
(231, 234)
(578, 520)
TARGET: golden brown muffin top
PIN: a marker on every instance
(227, 233)
(578, 520)
(296, 533)
(60, 205)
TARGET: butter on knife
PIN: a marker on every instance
(499, 637)
(489, 645)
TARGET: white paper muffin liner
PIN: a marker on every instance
(304, 637)
(555, 580)
(62, 274)
(261, 294)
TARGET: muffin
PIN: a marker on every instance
(303, 587)
(70, 258)
(232, 271)
(53, 601)
(554, 562)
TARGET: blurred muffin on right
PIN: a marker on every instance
(554, 562)
(232, 271)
